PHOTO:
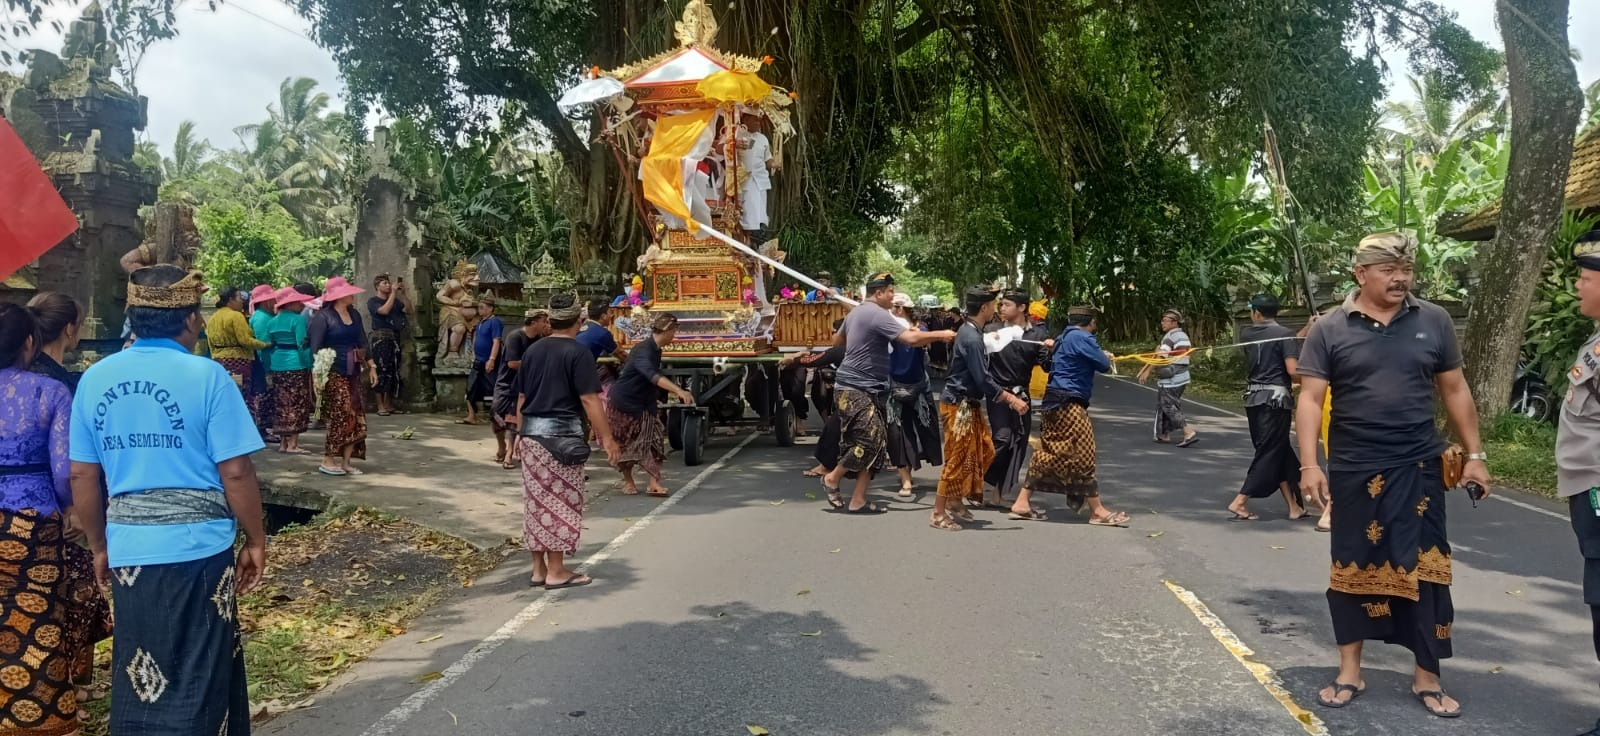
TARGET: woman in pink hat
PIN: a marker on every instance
(337, 327)
(289, 366)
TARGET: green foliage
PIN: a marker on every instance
(244, 247)
(1556, 329)
(1524, 452)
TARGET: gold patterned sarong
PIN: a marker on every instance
(968, 450)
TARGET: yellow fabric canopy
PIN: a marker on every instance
(663, 168)
(733, 85)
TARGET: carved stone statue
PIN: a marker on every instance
(458, 309)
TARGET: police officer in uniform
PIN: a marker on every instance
(1578, 440)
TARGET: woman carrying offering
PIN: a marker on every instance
(337, 327)
(289, 369)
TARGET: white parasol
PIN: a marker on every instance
(590, 91)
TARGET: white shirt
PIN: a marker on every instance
(754, 159)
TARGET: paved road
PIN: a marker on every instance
(742, 603)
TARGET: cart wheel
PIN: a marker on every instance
(675, 429)
(694, 439)
(783, 425)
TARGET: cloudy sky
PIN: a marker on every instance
(225, 66)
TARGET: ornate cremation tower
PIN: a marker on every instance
(80, 125)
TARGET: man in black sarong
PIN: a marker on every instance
(1383, 353)
(1012, 368)
(1271, 353)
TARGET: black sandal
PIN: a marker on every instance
(1340, 687)
(870, 508)
(1422, 697)
(835, 497)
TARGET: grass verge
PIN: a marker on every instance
(334, 589)
(1522, 453)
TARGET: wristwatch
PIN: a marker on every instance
(1483, 456)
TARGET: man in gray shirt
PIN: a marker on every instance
(1578, 440)
(861, 388)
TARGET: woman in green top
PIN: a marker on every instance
(289, 367)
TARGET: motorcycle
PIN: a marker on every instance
(1530, 394)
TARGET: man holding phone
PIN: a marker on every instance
(1578, 439)
(1385, 354)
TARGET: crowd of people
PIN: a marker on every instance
(135, 478)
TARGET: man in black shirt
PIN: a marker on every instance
(631, 408)
(968, 446)
(1271, 353)
(1384, 353)
(503, 413)
(1012, 367)
(388, 309)
(557, 384)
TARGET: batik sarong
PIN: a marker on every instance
(913, 431)
(641, 439)
(385, 354)
(1011, 433)
(293, 397)
(347, 426)
(863, 436)
(177, 664)
(88, 612)
(263, 405)
(504, 405)
(1275, 462)
(1390, 578)
(968, 450)
(827, 453)
(552, 500)
(1169, 410)
(242, 370)
(36, 692)
(1064, 460)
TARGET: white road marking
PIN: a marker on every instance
(1530, 507)
(413, 704)
(1265, 675)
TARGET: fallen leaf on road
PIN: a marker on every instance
(435, 637)
(834, 551)
(806, 591)
(1496, 670)
(811, 496)
(778, 502)
(721, 614)
(453, 720)
(627, 518)
(1276, 547)
(1516, 593)
(307, 582)
(1153, 535)
(811, 633)
(430, 677)
(757, 730)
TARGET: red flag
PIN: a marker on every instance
(33, 219)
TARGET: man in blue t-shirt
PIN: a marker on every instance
(485, 356)
(173, 437)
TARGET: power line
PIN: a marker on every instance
(236, 6)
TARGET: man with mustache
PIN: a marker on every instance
(1384, 353)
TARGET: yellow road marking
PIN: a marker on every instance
(1265, 675)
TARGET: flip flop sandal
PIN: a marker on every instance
(1189, 442)
(535, 583)
(1422, 697)
(1323, 529)
(944, 523)
(1340, 687)
(1030, 516)
(385, 413)
(576, 581)
(627, 492)
(868, 510)
(1117, 519)
(810, 474)
(1245, 517)
(655, 494)
(835, 498)
(907, 494)
(331, 471)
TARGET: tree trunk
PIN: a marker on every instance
(1545, 102)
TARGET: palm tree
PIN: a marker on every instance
(297, 154)
(1431, 122)
(188, 154)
